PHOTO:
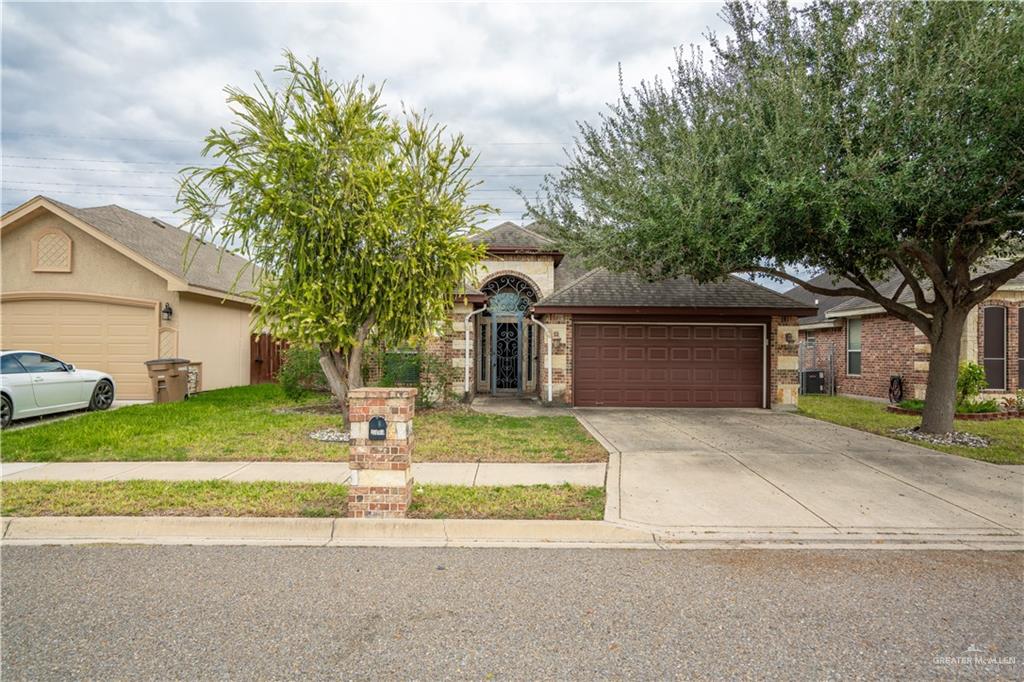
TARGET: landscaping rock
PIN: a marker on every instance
(953, 438)
(330, 435)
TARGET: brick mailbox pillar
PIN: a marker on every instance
(380, 451)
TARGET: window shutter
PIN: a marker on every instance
(994, 351)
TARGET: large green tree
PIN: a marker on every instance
(865, 140)
(357, 220)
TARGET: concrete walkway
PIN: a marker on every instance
(515, 407)
(688, 473)
(469, 474)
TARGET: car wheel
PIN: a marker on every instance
(6, 412)
(102, 396)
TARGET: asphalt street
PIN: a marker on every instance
(213, 613)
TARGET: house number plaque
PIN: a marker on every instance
(378, 428)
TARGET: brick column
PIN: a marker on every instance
(381, 483)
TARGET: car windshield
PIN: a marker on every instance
(39, 363)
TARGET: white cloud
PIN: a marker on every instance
(75, 75)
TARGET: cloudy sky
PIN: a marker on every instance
(104, 103)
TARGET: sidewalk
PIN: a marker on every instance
(467, 474)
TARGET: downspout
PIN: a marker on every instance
(547, 337)
(465, 388)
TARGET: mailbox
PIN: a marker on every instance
(378, 428)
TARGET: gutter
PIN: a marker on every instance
(547, 337)
(465, 385)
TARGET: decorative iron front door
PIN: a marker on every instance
(506, 356)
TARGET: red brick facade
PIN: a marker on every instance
(892, 346)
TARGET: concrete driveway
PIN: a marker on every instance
(688, 472)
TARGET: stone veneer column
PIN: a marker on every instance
(785, 369)
(381, 483)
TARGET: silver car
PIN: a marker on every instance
(33, 384)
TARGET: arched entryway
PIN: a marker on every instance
(508, 340)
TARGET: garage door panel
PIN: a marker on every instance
(668, 365)
(109, 337)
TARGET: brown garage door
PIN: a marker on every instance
(668, 365)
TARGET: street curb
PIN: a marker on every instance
(157, 530)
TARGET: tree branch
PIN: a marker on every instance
(985, 285)
(898, 309)
(932, 269)
(920, 299)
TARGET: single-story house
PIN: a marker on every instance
(865, 346)
(105, 288)
(535, 323)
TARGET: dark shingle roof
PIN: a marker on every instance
(603, 288)
(890, 285)
(512, 236)
(822, 303)
(164, 245)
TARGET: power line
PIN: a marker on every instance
(182, 140)
(164, 172)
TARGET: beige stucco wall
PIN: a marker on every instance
(95, 267)
(539, 269)
(202, 329)
(217, 335)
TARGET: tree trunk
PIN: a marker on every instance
(334, 366)
(940, 401)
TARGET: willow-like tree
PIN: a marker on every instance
(356, 219)
(867, 141)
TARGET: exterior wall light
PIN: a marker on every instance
(166, 311)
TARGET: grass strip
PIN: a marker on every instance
(508, 502)
(267, 499)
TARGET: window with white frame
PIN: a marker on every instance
(853, 352)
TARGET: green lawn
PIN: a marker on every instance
(222, 498)
(461, 435)
(1007, 436)
(260, 423)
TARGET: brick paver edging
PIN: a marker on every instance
(966, 416)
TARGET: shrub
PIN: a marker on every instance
(970, 382)
(400, 368)
(978, 406)
(911, 404)
(435, 381)
(301, 372)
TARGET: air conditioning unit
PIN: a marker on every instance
(812, 382)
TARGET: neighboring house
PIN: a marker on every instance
(616, 339)
(105, 288)
(869, 346)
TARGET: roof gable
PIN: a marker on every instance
(508, 235)
(159, 246)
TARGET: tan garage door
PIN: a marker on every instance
(110, 337)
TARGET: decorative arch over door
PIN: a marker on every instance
(508, 342)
